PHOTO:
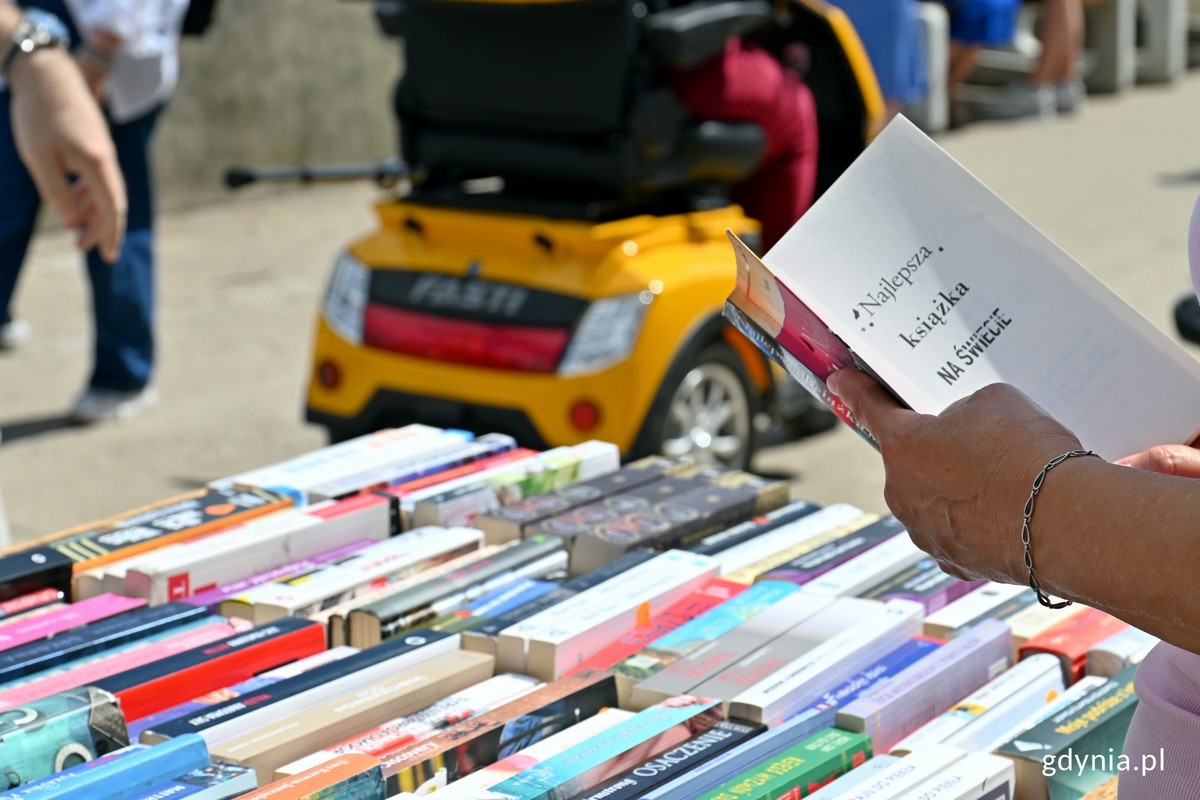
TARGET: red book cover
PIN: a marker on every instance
(170, 681)
(713, 594)
(1071, 639)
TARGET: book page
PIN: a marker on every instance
(942, 288)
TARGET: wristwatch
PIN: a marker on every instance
(37, 29)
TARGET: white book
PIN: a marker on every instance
(239, 726)
(384, 562)
(619, 602)
(296, 476)
(810, 528)
(790, 689)
(992, 709)
(864, 571)
(940, 288)
(975, 776)
(891, 778)
(181, 570)
(1076, 691)
(971, 606)
(1119, 651)
(565, 635)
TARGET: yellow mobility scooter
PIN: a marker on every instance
(558, 268)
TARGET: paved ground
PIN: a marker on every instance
(239, 284)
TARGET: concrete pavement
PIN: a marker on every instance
(239, 283)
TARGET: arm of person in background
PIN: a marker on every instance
(1121, 539)
(59, 132)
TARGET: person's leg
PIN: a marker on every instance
(18, 213)
(123, 292)
(748, 84)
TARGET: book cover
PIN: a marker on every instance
(669, 764)
(583, 766)
(72, 616)
(711, 595)
(751, 528)
(175, 679)
(508, 523)
(912, 267)
(860, 573)
(58, 732)
(892, 710)
(816, 563)
(467, 746)
(228, 712)
(287, 737)
(757, 570)
(384, 618)
(691, 636)
(1091, 730)
(35, 569)
(1071, 639)
(352, 776)
(119, 773)
(214, 782)
(810, 531)
(924, 583)
(419, 725)
(175, 519)
(800, 770)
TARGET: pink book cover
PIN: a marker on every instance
(713, 594)
(64, 619)
(83, 674)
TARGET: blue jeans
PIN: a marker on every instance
(122, 293)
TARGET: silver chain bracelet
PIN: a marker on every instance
(1042, 597)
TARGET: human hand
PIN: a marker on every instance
(60, 132)
(959, 480)
(95, 75)
(1168, 459)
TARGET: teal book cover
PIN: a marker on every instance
(58, 732)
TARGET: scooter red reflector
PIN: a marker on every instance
(513, 347)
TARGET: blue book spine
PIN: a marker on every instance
(94, 638)
(506, 598)
(215, 782)
(119, 774)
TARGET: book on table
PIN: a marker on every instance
(911, 269)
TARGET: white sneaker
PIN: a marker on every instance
(1069, 96)
(1018, 100)
(13, 334)
(98, 405)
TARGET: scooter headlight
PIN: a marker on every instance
(346, 299)
(606, 334)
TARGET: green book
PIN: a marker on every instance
(801, 769)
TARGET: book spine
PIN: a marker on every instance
(72, 616)
(236, 708)
(211, 599)
(668, 765)
(751, 528)
(892, 664)
(353, 776)
(22, 606)
(203, 784)
(860, 573)
(34, 570)
(825, 558)
(814, 529)
(800, 770)
(130, 626)
(971, 607)
(176, 679)
(84, 722)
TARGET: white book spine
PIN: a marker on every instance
(898, 777)
(975, 776)
(789, 689)
(1038, 677)
(862, 572)
(810, 527)
(1076, 691)
(972, 605)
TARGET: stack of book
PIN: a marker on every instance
(655, 630)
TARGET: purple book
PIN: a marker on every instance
(813, 565)
(211, 598)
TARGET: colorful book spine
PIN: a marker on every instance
(811, 531)
(751, 528)
(924, 583)
(34, 569)
(713, 594)
(26, 605)
(816, 563)
(52, 733)
(800, 770)
(353, 776)
(73, 616)
(1071, 639)
(125, 628)
(120, 773)
(169, 681)
(212, 598)
(214, 782)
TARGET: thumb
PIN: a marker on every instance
(1168, 459)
